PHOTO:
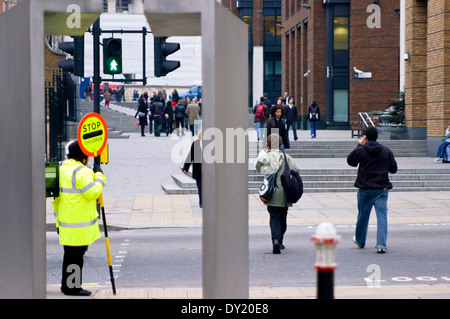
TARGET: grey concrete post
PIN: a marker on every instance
(22, 140)
(225, 99)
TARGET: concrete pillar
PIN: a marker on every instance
(416, 66)
(258, 73)
(225, 180)
(138, 6)
(22, 162)
(111, 6)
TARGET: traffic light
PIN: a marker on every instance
(162, 49)
(75, 48)
(112, 56)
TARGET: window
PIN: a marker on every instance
(249, 20)
(340, 103)
(340, 33)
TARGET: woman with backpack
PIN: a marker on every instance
(268, 161)
(313, 117)
(261, 113)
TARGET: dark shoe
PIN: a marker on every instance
(282, 247)
(356, 243)
(76, 292)
(276, 246)
(295, 138)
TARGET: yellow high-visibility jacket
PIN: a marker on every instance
(76, 207)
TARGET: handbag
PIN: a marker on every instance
(292, 183)
(268, 186)
(141, 114)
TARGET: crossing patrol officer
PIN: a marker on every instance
(76, 215)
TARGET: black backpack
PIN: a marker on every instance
(292, 183)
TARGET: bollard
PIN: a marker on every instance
(325, 239)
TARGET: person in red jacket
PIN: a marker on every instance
(375, 161)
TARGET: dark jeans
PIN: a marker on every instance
(150, 123)
(179, 122)
(158, 125)
(294, 128)
(72, 268)
(278, 224)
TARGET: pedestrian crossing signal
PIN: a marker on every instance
(161, 50)
(112, 56)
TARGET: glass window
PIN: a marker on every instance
(340, 111)
(269, 25)
(340, 33)
(279, 30)
(249, 20)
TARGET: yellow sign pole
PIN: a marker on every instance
(92, 136)
(111, 274)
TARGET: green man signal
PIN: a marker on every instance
(112, 56)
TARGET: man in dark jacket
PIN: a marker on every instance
(195, 157)
(375, 162)
(158, 113)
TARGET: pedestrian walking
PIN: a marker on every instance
(88, 92)
(276, 124)
(76, 215)
(269, 160)
(268, 103)
(142, 112)
(374, 162)
(107, 97)
(195, 157)
(192, 111)
(313, 117)
(291, 117)
(175, 96)
(168, 115)
(187, 101)
(157, 110)
(180, 115)
(261, 113)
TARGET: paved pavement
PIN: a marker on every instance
(134, 199)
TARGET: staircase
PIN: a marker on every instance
(327, 179)
(335, 149)
(117, 122)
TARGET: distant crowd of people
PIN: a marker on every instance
(165, 117)
(282, 116)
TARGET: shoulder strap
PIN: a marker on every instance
(286, 165)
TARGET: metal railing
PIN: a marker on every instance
(60, 108)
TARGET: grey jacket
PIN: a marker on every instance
(266, 163)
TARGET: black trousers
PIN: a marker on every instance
(199, 188)
(72, 268)
(278, 222)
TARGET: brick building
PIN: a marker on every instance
(325, 45)
(427, 70)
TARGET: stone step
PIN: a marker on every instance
(329, 181)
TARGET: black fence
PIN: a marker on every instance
(60, 108)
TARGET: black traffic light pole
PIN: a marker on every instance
(96, 33)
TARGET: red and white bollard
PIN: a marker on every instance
(325, 239)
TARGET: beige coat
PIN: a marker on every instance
(192, 112)
(266, 163)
